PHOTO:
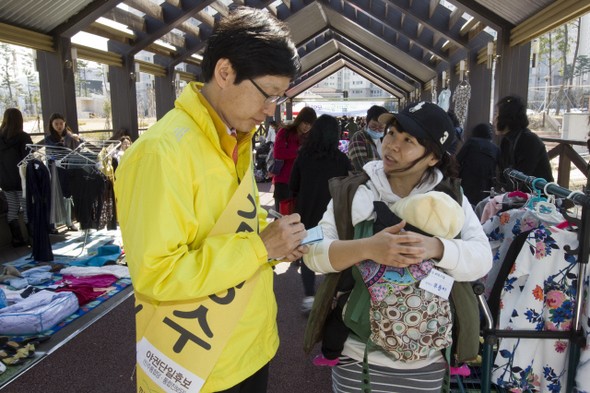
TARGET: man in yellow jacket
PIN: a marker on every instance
(198, 246)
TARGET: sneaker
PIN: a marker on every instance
(73, 228)
(306, 304)
(463, 371)
(320, 360)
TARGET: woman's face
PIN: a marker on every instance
(400, 150)
(304, 127)
(125, 144)
(58, 125)
(496, 130)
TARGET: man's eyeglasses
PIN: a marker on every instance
(268, 98)
(377, 128)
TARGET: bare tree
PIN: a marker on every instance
(572, 69)
(8, 80)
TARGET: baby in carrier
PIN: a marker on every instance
(433, 214)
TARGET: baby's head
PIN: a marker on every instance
(433, 212)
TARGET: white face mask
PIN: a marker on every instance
(375, 134)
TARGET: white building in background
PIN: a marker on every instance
(346, 80)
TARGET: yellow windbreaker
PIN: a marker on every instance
(171, 186)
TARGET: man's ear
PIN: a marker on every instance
(224, 73)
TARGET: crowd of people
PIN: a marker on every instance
(201, 252)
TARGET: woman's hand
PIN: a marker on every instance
(433, 247)
(401, 249)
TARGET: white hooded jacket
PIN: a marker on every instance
(465, 259)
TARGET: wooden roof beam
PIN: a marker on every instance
(272, 9)
(205, 18)
(468, 26)
(147, 7)
(433, 5)
(128, 19)
(221, 8)
(478, 28)
(455, 16)
(550, 18)
(124, 35)
(84, 18)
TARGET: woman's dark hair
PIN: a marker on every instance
(323, 139)
(256, 44)
(374, 112)
(305, 115)
(511, 113)
(53, 134)
(482, 130)
(275, 124)
(447, 163)
(12, 122)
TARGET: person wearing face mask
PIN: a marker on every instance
(365, 145)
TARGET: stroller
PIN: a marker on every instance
(261, 149)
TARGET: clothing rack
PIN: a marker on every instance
(575, 335)
(86, 155)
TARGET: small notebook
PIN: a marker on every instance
(314, 235)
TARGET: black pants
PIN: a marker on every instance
(254, 384)
(308, 279)
(335, 334)
(281, 193)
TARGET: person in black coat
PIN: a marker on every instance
(13, 148)
(318, 161)
(521, 149)
(478, 159)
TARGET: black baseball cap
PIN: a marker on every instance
(424, 120)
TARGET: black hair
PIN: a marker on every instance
(306, 115)
(447, 163)
(53, 134)
(374, 112)
(454, 118)
(482, 130)
(323, 139)
(256, 44)
(12, 122)
(511, 113)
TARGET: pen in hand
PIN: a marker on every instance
(274, 213)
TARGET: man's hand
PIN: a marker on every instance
(282, 238)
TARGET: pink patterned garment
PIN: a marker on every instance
(383, 280)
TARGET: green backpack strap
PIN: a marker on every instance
(342, 190)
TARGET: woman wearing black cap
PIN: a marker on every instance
(414, 162)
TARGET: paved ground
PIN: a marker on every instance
(102, 357)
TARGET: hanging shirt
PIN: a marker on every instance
(444, 99)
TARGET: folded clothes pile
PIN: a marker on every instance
(19, 280)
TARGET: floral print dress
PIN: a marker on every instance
(538, 294)
(503, 228)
